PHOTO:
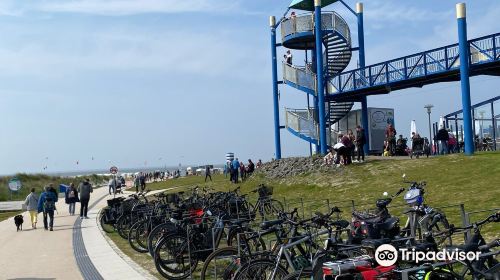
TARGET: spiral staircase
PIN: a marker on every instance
(298, 33)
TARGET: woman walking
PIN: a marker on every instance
(31, 203)
(71, 198)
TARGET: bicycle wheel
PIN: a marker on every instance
(123, 226)
(249, 242)
(221, 264)
(156, 233)
(260, 270)
(297, 275)
(272, 207)
(135, 233)
(105, 225)
(173, 259)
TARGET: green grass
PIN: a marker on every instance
(38, 181)
(451, 180)
(7, 214)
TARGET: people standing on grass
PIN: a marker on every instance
(251, 168)
(352, 149)
(236, 167)
(71, 198)
(85, 188)
(259, 164)
(243, 171)
(47, 205)
(442, 137)
(31, 203)
(360, 143)
(390, 137)
(346, 141)
(207, 173)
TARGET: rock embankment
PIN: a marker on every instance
(293, 166)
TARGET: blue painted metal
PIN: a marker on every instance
(364, 102)
(465, 85)
(320, 84)
(277, 136)
(427, 67)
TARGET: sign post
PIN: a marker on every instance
(113, 170)
(14, 185)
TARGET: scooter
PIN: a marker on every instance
(375, 225)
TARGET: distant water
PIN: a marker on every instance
(124, 170)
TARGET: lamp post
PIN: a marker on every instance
(429, 107)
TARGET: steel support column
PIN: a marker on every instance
(361, 52)
(319, 74)
(494, 125)
(277, 136)
(464, 78)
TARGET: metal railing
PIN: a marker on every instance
(301, 121)
(482, 50)
(301, 76)
(330, 21)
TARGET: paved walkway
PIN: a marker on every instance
(76, 249)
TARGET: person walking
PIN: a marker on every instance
(137, 182)
(31, 203)
(85, 188)
(207, 173)
(71, 198)
(112, 185)
(236, 167)
(47, 205)
(143, 182)
(360, 142)
(443, 137)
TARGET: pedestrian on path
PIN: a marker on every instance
(71, 198)
(137, 182)
(143, 182)
(31, 203)
(85, 188)
(47, 205)
(112, 185)
(207, 173)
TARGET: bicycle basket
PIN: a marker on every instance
(265, 191)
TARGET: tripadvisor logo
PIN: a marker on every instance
(387, 255)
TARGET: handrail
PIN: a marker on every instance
(305, 23)
(300, 76)
(483, 49)
(299, 123)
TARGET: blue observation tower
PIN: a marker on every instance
(326, 39)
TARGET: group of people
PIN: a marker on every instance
(46, 202)
(348, 149)
(237, 169)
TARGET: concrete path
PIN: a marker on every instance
(75, 248)
(39, 254)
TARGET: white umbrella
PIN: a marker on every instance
(413, 127)
(441, 122)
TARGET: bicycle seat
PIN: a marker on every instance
(268, 224)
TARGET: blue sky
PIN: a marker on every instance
(153, 83)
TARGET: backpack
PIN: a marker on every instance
(49, 203)
(71, 194)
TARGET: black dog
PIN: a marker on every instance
(19, 222)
